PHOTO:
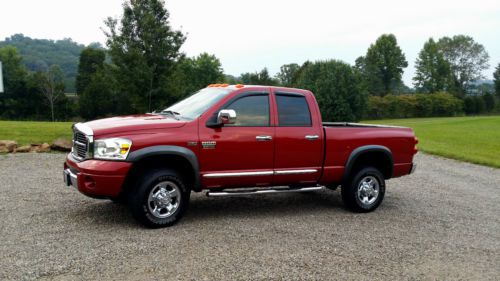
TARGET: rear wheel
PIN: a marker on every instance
(159, 199)
(364, 191)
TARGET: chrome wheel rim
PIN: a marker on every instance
(164, 199)
(368, 190)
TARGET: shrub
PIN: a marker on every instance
(414, 105)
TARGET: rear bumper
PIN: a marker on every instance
(96, 178)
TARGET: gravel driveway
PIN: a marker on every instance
(440, 223)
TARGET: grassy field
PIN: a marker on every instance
(471, 139)
(27, 132)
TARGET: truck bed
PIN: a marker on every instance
(342, 138)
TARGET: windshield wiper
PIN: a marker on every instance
(170, 112)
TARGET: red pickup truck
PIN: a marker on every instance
(234, 140)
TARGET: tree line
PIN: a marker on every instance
(141, 69)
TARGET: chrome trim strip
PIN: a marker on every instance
(295, 172)
(80, 143)
(263, 191)
(238, 174)
(263, 173)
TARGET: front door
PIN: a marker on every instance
(240, 154)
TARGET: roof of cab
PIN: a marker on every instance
(241, 86)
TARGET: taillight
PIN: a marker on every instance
(415, 148)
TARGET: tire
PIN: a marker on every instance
(364, 191)
(159, 199)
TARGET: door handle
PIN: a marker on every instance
(312, 137)
(263, 138)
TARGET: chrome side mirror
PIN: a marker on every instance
(226, 116)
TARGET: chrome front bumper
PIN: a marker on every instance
(70, 179)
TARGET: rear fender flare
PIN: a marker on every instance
(356, 153)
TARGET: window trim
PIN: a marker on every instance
(213, 119)
(276, 94)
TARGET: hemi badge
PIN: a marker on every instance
(209, 144)
(192, 143)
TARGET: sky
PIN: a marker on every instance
(250, 35)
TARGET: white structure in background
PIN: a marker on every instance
(1, 78)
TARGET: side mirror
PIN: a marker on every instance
(226, 116)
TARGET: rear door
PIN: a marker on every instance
(240, 154)
(298, 142)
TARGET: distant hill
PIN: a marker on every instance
(39, 54)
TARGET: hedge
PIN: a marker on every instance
(414, 105)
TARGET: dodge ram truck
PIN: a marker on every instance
(234, 140)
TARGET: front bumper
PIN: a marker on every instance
(96, 178)
(413, 168)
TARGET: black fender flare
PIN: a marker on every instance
(356, 153)
(187, 154)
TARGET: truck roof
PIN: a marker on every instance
(241, 86)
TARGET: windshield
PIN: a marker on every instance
(194, 105)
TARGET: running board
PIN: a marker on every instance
(262, 191)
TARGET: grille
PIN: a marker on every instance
(80, 145)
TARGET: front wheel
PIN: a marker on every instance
(159, 199)
(364, 191)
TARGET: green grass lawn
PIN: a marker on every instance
(471, 139)
(27, 132)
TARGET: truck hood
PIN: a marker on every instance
(130, 123)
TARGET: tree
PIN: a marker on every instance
(382, 66)
(433, 72)
(287, 74)
(15, 102)
(467, 59)
(337, 88)
(496, 76)
(144, 49)
(99, 95)
(489, 102)
(51, 86)
(40, 54)
(258, 78)
(91, 60)
(192, 74)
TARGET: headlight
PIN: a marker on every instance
(112, 149)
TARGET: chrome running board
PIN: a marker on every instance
(236, 192)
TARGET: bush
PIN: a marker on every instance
(414, 105)
(478, 104)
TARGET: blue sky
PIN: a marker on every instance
(250, 35)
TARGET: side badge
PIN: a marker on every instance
(192, 143)
(208, 144)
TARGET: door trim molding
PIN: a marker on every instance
(295, 172)
(260, 173)
(238, 174)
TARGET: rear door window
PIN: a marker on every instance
(293, 110)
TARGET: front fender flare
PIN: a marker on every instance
(187, 154)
